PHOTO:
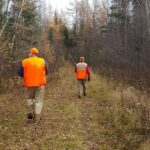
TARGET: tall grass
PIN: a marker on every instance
(110, 117)
(124, 114)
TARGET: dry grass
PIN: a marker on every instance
(107, 119)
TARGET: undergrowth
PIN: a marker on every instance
(109, 118)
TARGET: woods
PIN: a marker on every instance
(21, 28)
(114, 36)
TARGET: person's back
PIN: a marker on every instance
(34, 71)
(82, 74)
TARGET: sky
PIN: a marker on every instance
(59, 4)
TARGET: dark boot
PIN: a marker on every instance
(30, 116)
(79, 96)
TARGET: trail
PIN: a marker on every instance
(68, 123)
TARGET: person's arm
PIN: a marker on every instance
(88, 72)
(46, 69)
(20, 71)
(75, 69)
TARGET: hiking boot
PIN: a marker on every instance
(79, 96)
(30, 115)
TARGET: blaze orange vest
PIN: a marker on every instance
(34, 72)
(81, 71)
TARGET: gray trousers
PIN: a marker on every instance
(35, 98)
(81, 84)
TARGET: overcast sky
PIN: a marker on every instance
(59, 4)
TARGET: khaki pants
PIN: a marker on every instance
(81, 84)
(35, 98)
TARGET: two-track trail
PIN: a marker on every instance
(93, 122)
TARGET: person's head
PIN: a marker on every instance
(33, 51)
(82, 59)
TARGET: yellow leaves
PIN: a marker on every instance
(18, 5)
(23, 6)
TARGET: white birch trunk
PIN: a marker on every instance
(147, 15)
(14, 36)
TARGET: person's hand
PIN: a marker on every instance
(89, 78)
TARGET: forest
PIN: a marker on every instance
(114, 38)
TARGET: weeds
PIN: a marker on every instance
(107, 119)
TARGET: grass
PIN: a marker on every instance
(109, 118)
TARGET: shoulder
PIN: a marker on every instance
(81, 63)
(25, 59)
(84, 64)
(40, 58)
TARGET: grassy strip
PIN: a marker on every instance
(107, 119)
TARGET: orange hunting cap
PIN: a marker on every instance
(34, 51)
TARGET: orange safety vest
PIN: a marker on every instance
(34, 72)
(81, 72)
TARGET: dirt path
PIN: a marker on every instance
(98, 121)
(68, 122)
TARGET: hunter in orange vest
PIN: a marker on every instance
(82, 72)
(34, 70)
